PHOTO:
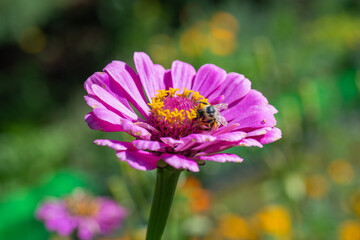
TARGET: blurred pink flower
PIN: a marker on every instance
(87, 215)
(172, 128)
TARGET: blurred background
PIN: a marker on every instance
(303, 55)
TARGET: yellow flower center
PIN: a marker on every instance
(173, 113)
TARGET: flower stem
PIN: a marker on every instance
(166, 181)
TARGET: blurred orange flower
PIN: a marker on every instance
(355, 202)
(193, 40)
(349, 230)
(235, 227)
(341, 171)
(275, 220)
(316, 186)
(199, 198)
(218, 35)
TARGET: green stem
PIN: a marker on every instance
(166, 181)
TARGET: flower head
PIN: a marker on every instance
(185, 116)
(83, 213)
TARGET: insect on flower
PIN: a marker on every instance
(180, 115)
(209, 116)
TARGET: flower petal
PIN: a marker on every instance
(94, 101)
(208, 78)
(135, 130)
(180, 162)
(147, 126)
(235, 87)
(249, 142)
(148, 74)
(256, 117)
(114, 144)
(149, 145)
(258, 132)
(114, 103)
(125, 78)
(218, 147)
(168, 79)
(161, 74)
(271, 136)
(182, 75)
(98, 78)
(140, 160)
(226, 129)
(102, 79)
(171, 141)
(226, 137)
(231, 136)
(87, 228)
(252, 99)
(103, 120)
(56, 218)
(193, 139)
(110, 215)
(221, 157)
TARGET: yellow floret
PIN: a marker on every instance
(172, 91)
(175, 116)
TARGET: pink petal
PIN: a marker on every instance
(102, 80)
(271, 136)
(148, 74)
(168, 79)
(182, 75)
(161, 73)
(231, 136)
(252, 99)
(217, 100)
(180, 162)
(98, 78)
(110, 215)
(147, 126)
(226, 129)
(114, 103)
(249, 142)
(258, 132)
(114, 144)
(171, 141)
(221, 157)
(208, 78)
(235, 87)
(218, 147)
(226, 137)
(192, 140)
(256, 117)
(149, 145)
(165, 75)
(98, 120)
(87, 228)
(94, 101)
(126, 79)
(140, 160)
(134, 129)
(105, 120)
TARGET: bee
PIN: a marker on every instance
(209, 116)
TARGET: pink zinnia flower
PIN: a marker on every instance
(83, 213)
(168, 113)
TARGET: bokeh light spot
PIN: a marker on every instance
(32, 40)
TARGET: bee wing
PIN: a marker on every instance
(221, 106)
(222, 120)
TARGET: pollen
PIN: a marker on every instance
(173, 113)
